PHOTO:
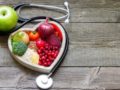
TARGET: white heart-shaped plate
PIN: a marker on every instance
(36, 67)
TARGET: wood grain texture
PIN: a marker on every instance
(20, 78)
(76, 78)
(73, 3)
(49, 89)
(94, 34)
(82, 15)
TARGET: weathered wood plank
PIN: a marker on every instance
(98, 15)
(107, 77)
(66, 78)
(49, 89)
(10, 76)
(73, 3)
(37, 89)
(79, 14)
(94, 32)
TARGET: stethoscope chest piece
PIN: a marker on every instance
(44, 82)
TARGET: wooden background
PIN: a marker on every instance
(94, 29)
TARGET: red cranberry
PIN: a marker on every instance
(46, 51)
(56, 52)
(52, 59)
(40, 62)
(43, 57)
(46, 44)
(55, 55)
(39, 51)
(49, 54)
(56, 47)
(49, 63)
(45, 64)
(47, 60)
(52, 53)
(41, 48)
(40, 54)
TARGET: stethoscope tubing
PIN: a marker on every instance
(64, 53)
(65, 11)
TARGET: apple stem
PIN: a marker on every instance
(46, 21)
(3, 13)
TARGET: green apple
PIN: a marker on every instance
(21, 36)
(8, 18)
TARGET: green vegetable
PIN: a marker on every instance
(19, 48)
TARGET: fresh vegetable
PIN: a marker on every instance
(33, 35)
(21, 36)
(54, 40)
(58, 32)
(19, 48)
(45, 29)
(40, 43)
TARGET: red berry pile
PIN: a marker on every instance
(47, 53)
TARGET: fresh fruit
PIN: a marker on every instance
(57, 31)
(40, 43)
(19, 48)
(33, 35)
(47, 54)
(8, 18)
(35, 58)
(54, 40)
(31, 56)
(45, 29)
(21, 36)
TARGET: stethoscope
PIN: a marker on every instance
(65, 11)
(45, 81)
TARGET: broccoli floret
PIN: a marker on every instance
(19, 48)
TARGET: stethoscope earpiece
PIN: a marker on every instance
(66, 3)
(66, 21)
